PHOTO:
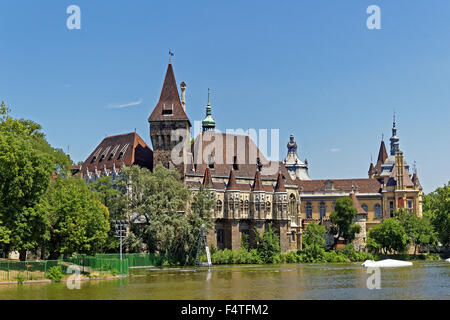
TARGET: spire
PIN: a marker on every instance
(232, 185)
(208, 123)
(207, 179)
(169, 106)
(371, 170)
(280, 183)
(257, 183)
(382, 154)
(394, 139)
(356, 204)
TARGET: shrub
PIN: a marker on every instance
(268, 245)
(114, 272)
(20, 278)
(333, 256)
(55, 273)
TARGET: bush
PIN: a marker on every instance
(55, 273)
(20, 278)
(114, 272)
(354, 256)
(333, 256)
(268, 245)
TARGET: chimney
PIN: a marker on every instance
(183, 95)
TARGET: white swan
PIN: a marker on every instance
(388, 263)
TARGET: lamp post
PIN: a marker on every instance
(120, 227)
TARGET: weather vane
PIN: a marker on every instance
(171, 54)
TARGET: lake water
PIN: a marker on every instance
(424, 280)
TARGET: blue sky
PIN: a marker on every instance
(311, 68)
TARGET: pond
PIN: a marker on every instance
(424, 280)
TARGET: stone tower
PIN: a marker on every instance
(170, 127)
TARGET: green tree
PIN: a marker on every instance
(343, 217)
(268, 245)
(314, 243)
(437, 205)
(26, 163)
(77, 221)
(387, 237)
(419, 230)
(314, 235)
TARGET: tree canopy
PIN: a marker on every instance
(343, 217)
(437, 205)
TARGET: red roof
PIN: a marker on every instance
(280, 184)
(362, 185)
(124, 149)
(207, 179)
(169, 105)
(382, 156)
(257, 183)
(356, 204)
(232, 185)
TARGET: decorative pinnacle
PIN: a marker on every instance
(208, 97)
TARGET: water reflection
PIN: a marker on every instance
(424, 280)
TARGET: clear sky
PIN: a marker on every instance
(310, 68)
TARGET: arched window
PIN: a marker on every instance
(267, 207)
(219, 206)
(377, 210)
(246, 207)
(365, 208)
(292, 204)
(322, 210)
(308, 210)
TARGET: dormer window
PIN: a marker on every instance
(235, 164)
(120, 155)
(93, 159)
(111, 156)
(167, 110)
(102, 158)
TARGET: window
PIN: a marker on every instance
(219, 206)
(322, 210)
(292, 204)
(308, 210)
(365, 207)
(120, 155)
(257, 208)
(410, 206)
(232, 207)
(93, 159)
(391, 209)
(102, 158)
(111, 156)
(280, 208)
(246, 206)
(377, 210)
(220, 236)
(268, 206)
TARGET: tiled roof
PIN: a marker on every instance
(382, 156)
(280, 184)
(207, 180)
(232, 181)
(356, 204)
(257, 183)
(362, 185)
(205, 144)
(114, 151)
(169, 105)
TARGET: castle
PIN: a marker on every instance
(251, 191)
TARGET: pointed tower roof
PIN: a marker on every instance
(207, 179)
(371, 169)
(232, 185)
(382, 154)
(169, 105)
(257, 182)
(208, 123)
(279, 187)
(356, 204)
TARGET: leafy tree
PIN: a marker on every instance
(268, 245)
(26, 163)
(314, 235)
(387, 237)
(419, 230)
(437, 205)
(77, 221)
(343, 216)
